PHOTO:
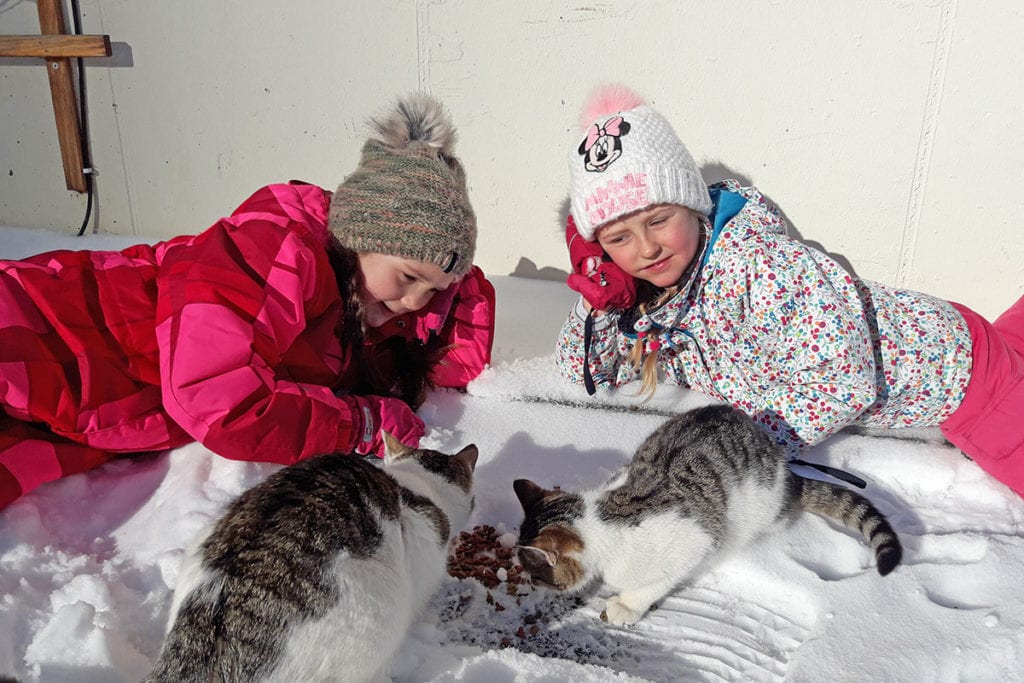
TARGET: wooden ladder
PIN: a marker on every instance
(58, 48)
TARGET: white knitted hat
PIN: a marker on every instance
(629, 159)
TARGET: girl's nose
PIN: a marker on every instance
(414, 301)
(648, 247)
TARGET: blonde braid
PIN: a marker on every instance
(648, 364)
(653, 299)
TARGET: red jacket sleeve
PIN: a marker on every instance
(468, 332)
(241, 310)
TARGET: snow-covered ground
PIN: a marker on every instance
(88, 564)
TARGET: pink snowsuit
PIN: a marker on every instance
(988, 424)
(229, 337)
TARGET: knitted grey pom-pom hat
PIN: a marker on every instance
(408, 195)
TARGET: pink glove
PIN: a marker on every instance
(602, 283)
(388, 414)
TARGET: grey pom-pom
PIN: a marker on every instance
(417, 118)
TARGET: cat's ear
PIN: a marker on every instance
(468, 455)
(393, 448)
(537, 555)
(528, 492)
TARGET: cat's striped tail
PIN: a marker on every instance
(853, 511)
(190, 649)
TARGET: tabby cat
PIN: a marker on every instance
(706, 481)
(316, 573)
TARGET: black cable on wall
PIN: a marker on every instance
(83, 124)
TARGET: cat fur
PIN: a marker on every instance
(317, 573)
(706, 482)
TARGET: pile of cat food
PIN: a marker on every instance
(488, 556)
(492, 604)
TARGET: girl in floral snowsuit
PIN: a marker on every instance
(703, 285)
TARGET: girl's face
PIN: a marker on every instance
(393, 285)
(655, 244)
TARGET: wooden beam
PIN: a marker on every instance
(65, 102)
(55, 46)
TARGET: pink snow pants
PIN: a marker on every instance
(989, 424)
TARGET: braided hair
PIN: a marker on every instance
(644, 354)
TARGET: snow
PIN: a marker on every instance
(88, 564)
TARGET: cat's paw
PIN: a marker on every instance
(618, 613)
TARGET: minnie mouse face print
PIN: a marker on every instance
(603, 144)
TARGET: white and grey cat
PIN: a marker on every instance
(317, 573)
(707, 480)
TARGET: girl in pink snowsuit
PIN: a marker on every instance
(303, 323)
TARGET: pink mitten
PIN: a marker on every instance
(388, 414)
(602, 283)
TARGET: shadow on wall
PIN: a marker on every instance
(716, 171)
(712, 172)
(527, 268)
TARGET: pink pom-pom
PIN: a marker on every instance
(607, 100)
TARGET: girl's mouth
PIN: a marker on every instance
(658, 265)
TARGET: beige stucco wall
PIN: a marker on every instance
(889, 133)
